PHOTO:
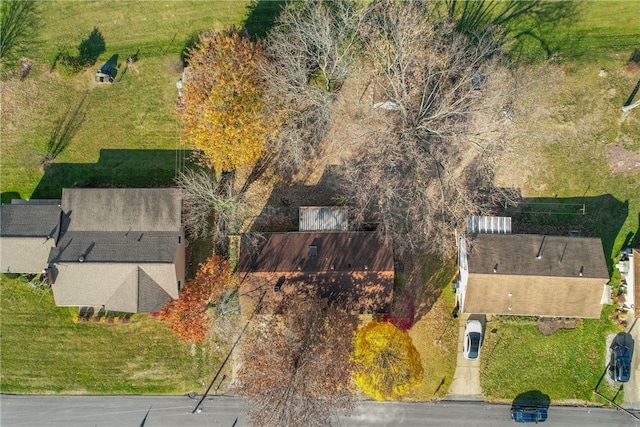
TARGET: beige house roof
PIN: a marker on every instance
(534, 295)
(127, 287)
(28, 231)
(24, 255)
(535, 275)
(352, 269)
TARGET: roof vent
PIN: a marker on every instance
(510, 294)
(333, 267)
(581, 271)
(495, 268)
(81, 258)
(313, 250)
(509, 308)
(366, 267)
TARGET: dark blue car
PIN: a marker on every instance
(621, 363)
(528, 414)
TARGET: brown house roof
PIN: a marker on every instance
(352, 269)
(535, 275)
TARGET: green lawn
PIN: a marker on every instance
(600, 28)
(43, 351)
(566, 366)
(135, 113)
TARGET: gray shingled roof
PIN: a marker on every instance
(535, 275)
(27, 234)
(517, 254)
(118, 246)
(122, 209)
(29, 220)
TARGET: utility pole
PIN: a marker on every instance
(255, 310)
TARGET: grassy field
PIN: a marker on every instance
(43, 351)
(134, 113)
(599, 28)
(566, 365)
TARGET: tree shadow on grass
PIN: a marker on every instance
(65, 129)
(92, 47)
(427, 276)
(521, 23)
(115, 168)
(262, 16)
(7, 196)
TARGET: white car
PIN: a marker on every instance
(472, 340)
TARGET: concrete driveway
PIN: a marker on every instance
(632, 388)
(466, 379)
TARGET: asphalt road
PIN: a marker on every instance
(221, 411)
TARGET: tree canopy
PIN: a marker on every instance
(222, 103)
(296, 369)
(387, 365)
(188, 314)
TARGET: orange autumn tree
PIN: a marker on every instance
(387, 364)
(188, 314)
(223, 100)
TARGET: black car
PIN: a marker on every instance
(521, 414)
(620, 363)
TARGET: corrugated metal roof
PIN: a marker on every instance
(327, 218)
(489, 224)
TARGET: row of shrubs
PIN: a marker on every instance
(101, 319)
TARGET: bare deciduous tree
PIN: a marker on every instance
(428, 159)
(211, 207)
(295, 367)
(310, 52)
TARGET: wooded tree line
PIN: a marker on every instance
(425, 161)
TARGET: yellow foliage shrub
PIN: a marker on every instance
(388, 366)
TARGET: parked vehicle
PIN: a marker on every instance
(528, 414)
(472, 340)
(620, 363)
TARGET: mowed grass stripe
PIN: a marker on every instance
(44, 351)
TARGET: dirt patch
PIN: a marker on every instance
(621, 160)
(551, 325)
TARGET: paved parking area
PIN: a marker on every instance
(466, 379)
